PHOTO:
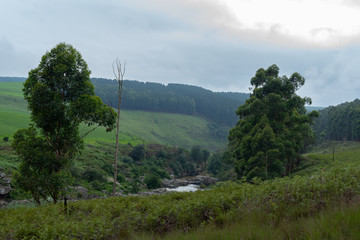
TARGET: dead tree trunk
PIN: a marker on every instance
(119, 73)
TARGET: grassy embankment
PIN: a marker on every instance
(320, 204)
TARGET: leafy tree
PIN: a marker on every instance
(196, 154)
(60, 97)
(200, 156)
(138, 153)
(273, 127)
(152, 181)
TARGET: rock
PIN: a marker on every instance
(119, 194)
(198, 180)
(203, 180)
(79, 192)
(3, 204)
(4, 191)
(7, 180)
(174, 183)
(5, 186)
(159, 190)
(152, 192)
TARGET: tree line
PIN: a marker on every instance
(339, 123)
(218, 107)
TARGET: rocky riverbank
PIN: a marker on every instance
(81, 193)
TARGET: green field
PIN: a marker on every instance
(328, 155)
(135, 126)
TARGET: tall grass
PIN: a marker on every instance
(256, 209)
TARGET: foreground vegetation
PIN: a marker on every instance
(269, 204)
(321, 203)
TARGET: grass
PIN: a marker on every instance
(324, 206)
(328, 155)
(315, 204)
(337, 223)
(11, 89)
(135, 126)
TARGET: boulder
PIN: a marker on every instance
(203, 180)
(166, 183)
(4, 190)
(78, 192)
(5, 185)
(3, 204)
(198, 180)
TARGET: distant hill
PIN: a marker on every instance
(12, 79)
(135, 126)
(218, 107)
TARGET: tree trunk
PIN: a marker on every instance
(119, 74)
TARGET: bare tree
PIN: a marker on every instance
(119, 72)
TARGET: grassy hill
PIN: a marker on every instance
(135, 126)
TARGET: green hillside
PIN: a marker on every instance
(136, 126)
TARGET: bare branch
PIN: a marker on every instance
(119, 75)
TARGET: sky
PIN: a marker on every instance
(214, 44)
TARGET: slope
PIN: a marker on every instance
(136, 126)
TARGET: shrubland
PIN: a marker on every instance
(268, 204)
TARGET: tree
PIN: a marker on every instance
(60, 97)
(273, 127)
(200, 156)
(138, 153)
(119, 75)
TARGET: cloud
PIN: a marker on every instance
(13, 62)
(336, 79)
(199, 42)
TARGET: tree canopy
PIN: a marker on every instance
(339, 123)
(60, 96)
(273, 127)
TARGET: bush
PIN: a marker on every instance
(5, 139)
(128, 160)
(138, 153)
(108, 168)
(152, 181)
(120, 178)
(92, 174)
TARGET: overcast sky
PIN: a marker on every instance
(215, 44)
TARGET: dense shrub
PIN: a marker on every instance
(287, 198)
(152, 181)
(92, 174)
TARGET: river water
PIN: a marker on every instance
(188, 188)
